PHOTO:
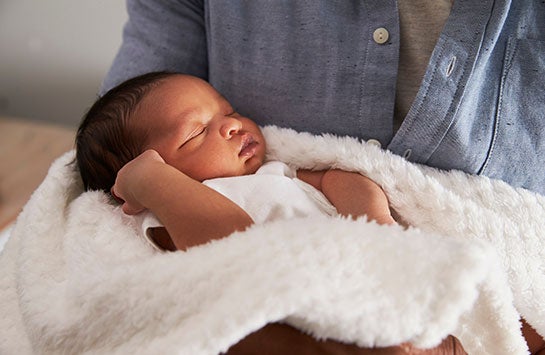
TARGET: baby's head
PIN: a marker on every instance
(182, 117)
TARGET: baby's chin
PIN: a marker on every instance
(253, 165)
(248, 169)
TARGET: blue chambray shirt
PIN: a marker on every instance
(313, 65)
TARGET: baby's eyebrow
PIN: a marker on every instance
(183, 125)
(187, 113)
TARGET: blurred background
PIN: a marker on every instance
(54, 55)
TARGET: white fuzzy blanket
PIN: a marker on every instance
(74, 278)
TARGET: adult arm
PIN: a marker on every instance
(160, 35)
(192, 213)
(351, 193)
(277, 338)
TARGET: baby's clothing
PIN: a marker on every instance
(273, 192)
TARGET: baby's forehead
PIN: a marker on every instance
(178, 97)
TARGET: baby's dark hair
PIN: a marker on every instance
(107, 139)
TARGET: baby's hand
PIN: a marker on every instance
(132, 177)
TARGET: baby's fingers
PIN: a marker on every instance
(132, 210)
(115, 196)
(127, 207)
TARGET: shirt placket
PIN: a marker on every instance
(449, 68)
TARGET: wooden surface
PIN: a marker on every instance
(27, 149)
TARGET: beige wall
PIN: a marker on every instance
(54, 55)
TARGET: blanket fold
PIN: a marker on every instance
(75, 278)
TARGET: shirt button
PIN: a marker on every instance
(381, 35)
(374, 142)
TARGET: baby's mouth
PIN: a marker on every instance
(248, 146)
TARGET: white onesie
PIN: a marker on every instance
(272, 193)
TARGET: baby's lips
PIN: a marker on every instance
(246, 142)
(248, 147)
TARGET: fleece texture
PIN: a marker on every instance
(76, 278)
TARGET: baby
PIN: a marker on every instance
(153, 140)
(156, 141)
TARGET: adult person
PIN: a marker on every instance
(321, 67)
(451, 85)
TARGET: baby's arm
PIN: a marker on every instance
(351, 193)
(192, 213)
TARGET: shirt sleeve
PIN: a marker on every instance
(145, 221)
(160, 36)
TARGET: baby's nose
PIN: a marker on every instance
(230, 127)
